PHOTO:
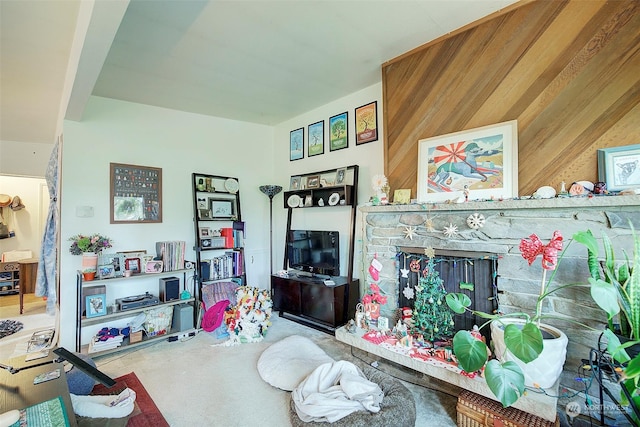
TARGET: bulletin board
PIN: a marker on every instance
(136, 194)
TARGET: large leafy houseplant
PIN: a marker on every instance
(525, 340)
(616, 290)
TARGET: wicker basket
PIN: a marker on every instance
(478, 411)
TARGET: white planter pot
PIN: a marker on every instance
(545, 370)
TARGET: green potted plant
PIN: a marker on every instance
(89, 246)
(522, 333)
(616, 290)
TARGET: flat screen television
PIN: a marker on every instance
(315, 252)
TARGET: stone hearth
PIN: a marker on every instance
(384, 231)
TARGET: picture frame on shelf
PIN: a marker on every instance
(315, 139)
(294, 184)
(202, 202)
(204, 214)
(133, 265)
(135, 194)
(308, 201)
(222, 208)
(96, 305)
(313, 181)
(341, 175)
(204, 232)
(106, 271)
(114, 259)
(296, 144)
(402, 196)
(153, 267)
(484, 159)
(619, 167)
(366, 121)
(338, 131)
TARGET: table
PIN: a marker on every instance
(544, 406)
(17, 391)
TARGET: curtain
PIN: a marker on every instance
(47, 265)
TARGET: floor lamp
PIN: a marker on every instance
(270, 190)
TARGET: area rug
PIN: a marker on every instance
(146, 413)
(8, 327)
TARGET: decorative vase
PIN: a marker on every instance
(88, 275)
(89, 262)
(545, 370)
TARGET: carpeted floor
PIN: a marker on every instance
(194, 383)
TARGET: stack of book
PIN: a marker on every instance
(112, 342)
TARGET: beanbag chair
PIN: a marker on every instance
(289, 361)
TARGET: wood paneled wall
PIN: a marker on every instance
(568, 71)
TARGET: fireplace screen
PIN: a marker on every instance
(471, 273)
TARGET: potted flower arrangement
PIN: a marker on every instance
(89, 246)
(372, 302)
(522, 333)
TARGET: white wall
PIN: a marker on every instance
(27, 223)
(179, 143)
(368, 156)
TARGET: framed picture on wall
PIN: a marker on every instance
(366, 120)
(482, 161)
(338, 132)
(296, 144)
(316, 139)
(619, 167)
(136, 194)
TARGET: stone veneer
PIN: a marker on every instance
(506, 223)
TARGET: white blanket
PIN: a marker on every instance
(333, 391)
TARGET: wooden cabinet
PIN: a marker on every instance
(311, 302)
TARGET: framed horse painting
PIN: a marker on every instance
(474, 164)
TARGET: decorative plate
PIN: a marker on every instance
(334, 199)
(231, 185)
(293, 201)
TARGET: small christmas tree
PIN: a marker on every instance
(432, 317)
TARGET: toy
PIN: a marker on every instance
(407, 317)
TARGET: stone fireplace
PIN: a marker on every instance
(388, 229)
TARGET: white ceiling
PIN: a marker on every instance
(261, 61)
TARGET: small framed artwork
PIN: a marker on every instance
(96, 305)
(619, 167)
(204, 214)
(341, 175)
(295, 183)
(133, 265)
(483, 161)
(313, 181)
(338, 132)
(114, 259)
(153, 267)
(316, 139)
(222, 208)
(106, 271)
(204, 232)
(402, 196)
(366, 118)
(296, 144)
(308, 201)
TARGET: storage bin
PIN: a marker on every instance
(479, 411)
(158, 321)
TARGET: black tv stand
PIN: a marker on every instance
(308, 300)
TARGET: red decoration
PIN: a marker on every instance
(533, 247)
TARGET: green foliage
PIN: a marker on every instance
(431, 317)
(525, 343)
(505, 380)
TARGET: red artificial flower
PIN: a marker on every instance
(532, 247)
